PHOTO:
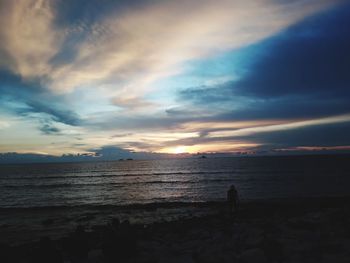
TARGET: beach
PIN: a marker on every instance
(164, 131)
(293, 209)
(277, 230)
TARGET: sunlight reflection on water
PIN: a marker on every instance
(176, 180)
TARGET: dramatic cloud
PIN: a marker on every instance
(303, 72)
(172, 76)
(31, 100)
(138, 46)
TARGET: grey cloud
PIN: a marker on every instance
(121, 135)
(49, 129)
(304, 72)
(57, 114)
(28, 98)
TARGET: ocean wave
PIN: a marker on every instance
(145, 206)
(121, 184)
(116, 175)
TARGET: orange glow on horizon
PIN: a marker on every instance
(206, 148)
(178, 150)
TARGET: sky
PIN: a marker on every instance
(158, 77)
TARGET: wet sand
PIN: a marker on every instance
(304, 230)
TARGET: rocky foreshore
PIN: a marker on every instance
(309, 230)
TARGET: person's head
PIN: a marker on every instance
(233, 187)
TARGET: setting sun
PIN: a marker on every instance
(134, 131)
(179, 149)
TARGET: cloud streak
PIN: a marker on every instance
(114, 49)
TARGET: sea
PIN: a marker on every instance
(173, 180)
(56, 191)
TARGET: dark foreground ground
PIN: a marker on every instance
(306, 230)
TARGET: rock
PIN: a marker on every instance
(253, 238)
(45, 251)
(47, 222)
(77, 245)
(255, 255)
(273, 249)
(85, 218)
(95, 256)
(177, 258)
(6, 254)
(252, 242)
(341, 258)
(211, 255)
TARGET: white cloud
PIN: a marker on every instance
(124, 54)
(141, 46)
(4, 124)
(281, 127)
(29, 37)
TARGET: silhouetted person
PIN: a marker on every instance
(232, 199)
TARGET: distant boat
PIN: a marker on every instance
(121, 159)
(203, 157)
(129, 159)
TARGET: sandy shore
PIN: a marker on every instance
(305, 230)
